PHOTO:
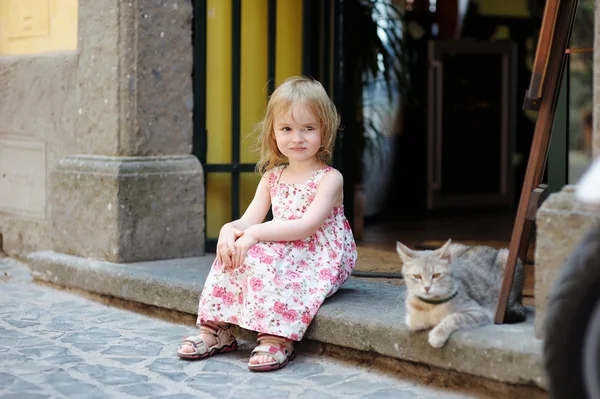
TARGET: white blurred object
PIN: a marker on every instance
(588, 188)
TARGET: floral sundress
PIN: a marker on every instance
(281, 285)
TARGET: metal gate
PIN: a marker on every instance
(241, 51)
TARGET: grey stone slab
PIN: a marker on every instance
(360, 387)
(143, 390)
(20, 395)
(325, 380)
(22, 323)
(219, 366)
(211, 379)
(128, 360)
(391, 393)
(141, 349)
(176, 396)
(300, 369)
(108, 375)
(10, 382)
(62, 360)
(272, 393)
(81, 390)
(314, 394)
(45, 351)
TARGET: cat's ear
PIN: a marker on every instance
(444, 252)
(404, 251)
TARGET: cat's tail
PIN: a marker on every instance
(515, 314)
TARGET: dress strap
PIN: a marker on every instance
(318, 175)
(275, 175)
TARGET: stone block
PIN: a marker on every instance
(561, 223)
(128, 209)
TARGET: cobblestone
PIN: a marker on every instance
(55, 344)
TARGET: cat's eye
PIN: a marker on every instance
(417, 276)
(436, 275)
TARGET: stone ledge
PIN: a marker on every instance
(362, 316)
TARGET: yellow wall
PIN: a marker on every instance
(37, 26)
(253, 91)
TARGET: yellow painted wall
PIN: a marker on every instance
(218, 112)
(289, 40)
(253, 91)
(37, 26)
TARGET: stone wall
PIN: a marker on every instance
(113, 127)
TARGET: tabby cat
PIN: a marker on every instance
(457, 286)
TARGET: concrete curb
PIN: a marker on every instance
(362, 315)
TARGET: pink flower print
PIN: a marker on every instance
(312, 185)
(306, 318)
(296, 287)
(218, 292)
(324, 274)
(234, 319)
(312, 291)
(279, 307)
(256, 284)
(256, 251)
(310, 198)
(228, 298)
(290, 315)
(218, 266)
(315, 306)
(303, 265)
(298, 244)
(292, 275)
(338, 244)
(311, 246)
(268, 259)
(240, 299)
(277, 279)
(294, 337)
(260, 314)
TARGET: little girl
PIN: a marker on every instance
(272, 277)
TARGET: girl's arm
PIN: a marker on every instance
(328, 194)
(258, 208)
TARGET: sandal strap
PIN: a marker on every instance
(271, 350)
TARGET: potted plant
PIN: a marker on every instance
(376, 77)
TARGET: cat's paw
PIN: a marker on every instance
(437, 339)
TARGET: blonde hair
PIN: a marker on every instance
(296, 90)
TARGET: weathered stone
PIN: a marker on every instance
(561, 223)
(128, 209)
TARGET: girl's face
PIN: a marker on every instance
(298, 134)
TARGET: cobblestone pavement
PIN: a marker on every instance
(56, 344)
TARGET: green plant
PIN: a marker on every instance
(375, 58)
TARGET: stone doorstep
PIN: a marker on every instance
(363, 316)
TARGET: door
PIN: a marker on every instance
(471, 123)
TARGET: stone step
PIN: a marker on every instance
(363, 316)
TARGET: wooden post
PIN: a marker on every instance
(542, 95)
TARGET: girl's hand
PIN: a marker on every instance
(241, 247)
(226, 244)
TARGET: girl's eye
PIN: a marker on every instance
(286, 129)
(309, 128)
(436, 275)
(417, 276)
